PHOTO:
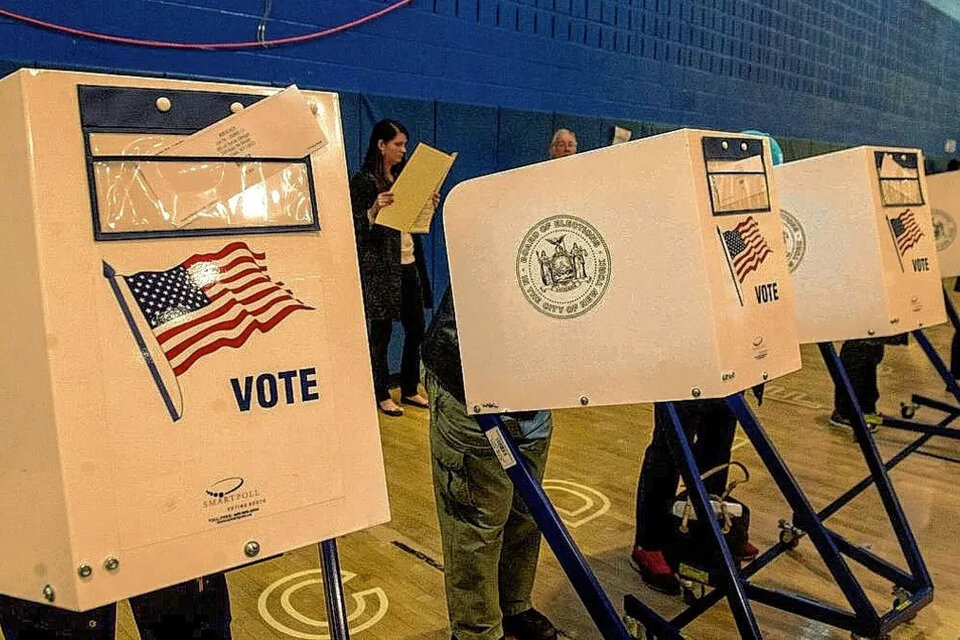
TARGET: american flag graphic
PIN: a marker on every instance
(210, 301)
(906, 231)
(746, 247)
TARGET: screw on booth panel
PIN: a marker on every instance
(111, 564)
(251, 549)
(48, 593)
(164, 104)
(84, 570)
(695, 392)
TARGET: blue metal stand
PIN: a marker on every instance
(952, 411)
(333, 591)
(913, 588)
(733, 583)
(574, 565)
(941, 428)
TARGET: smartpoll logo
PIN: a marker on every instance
(225, 487)
(231, 499)
(760, 350)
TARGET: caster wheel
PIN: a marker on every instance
(898, 603)
(790, 539)
(635, 628)
(908, 411)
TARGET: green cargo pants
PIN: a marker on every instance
(490, 540)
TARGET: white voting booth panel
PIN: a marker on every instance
(184, 368)
(944, 190)
(863, 254)
(644, 271)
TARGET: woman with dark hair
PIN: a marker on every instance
(392, 269)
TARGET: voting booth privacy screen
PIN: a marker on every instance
(861, 245)
(184, 374)
(944, 189)
(646, 271)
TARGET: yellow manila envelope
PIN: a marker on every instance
(281, 127)
(412, 210)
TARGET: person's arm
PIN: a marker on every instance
(365, 200)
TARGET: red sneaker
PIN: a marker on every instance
(655, 571)
(746, 553)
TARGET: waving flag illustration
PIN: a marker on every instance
(746, 247)
(208, 302)
(906, 231)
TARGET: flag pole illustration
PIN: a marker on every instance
(110, 274)
(726, 254)
(208, 302)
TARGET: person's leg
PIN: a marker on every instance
(657, 486)
(411, 317)
(474, 497)
(860, 359)
(25, 620)
(521, 539)
(378, 332)
(185, 611)
(656, 492)
(714, 425)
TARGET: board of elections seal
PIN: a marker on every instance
(563, 266)
(944, 228)
(794, 238)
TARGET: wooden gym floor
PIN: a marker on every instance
(395, 585)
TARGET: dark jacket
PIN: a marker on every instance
(378, 250)
(441, 348)
(441, 353)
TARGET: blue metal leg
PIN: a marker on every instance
(938, 363)
(735, 586)
(805, 516)
(951, 310)
(891, 504)
(574, 565)
(333, 591)
(861, 486)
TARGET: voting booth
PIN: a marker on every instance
(184, 369)
(944, 190)
(864, 256)
(645, 271)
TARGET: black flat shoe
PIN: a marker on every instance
(414, 403)
(393, 413)
(529, 625)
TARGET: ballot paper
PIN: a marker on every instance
(280, 127)
(412, 211)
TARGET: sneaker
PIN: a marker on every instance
(873, 420)
(529, 625)
(655, 571)
(746, 553)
